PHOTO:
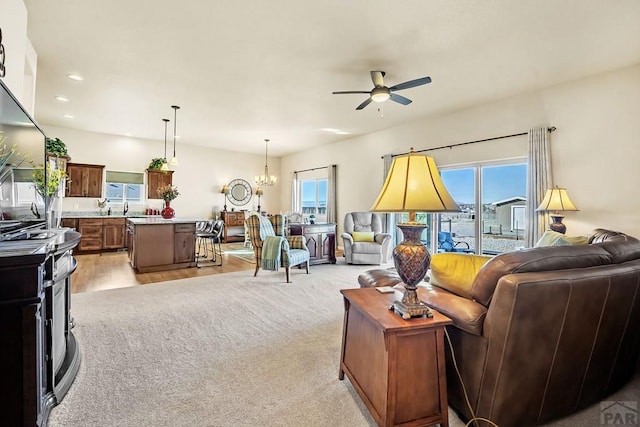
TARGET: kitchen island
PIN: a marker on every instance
(157, 244)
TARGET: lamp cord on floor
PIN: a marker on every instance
(474, 418)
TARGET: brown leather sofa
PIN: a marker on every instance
(543, 332)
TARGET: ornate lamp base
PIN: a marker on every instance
(557, 224)
(412, 261)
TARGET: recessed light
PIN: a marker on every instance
(68, 116)
(335, 131)
(75, 77)
(62, 99)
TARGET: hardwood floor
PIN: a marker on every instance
(111, 270)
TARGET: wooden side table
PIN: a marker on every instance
(397, 366)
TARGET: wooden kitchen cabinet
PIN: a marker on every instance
(157, 179)
(91, 230)
(99, 233)
(321, 241)
(84, 180)
(184, 243)
(159, 246)
(113, 236)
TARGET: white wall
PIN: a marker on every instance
(595, 149)
(199, 177)
(13, 22)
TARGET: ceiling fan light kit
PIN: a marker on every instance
(381, 93)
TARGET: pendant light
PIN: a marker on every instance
(165, 166)
(174, 159)
(266, 179)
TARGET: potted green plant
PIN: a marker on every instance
(155, 164)
(56, 147)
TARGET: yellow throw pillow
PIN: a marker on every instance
(553, 238)
(362, 236)
(456, 272)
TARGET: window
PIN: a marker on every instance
(125, 187)
(492, 199)
(313, 194)
(24, 190)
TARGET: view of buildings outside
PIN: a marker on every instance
(502, 199)
(314, 198)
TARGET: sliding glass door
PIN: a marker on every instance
(492, 199)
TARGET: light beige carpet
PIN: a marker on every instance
(221, 350)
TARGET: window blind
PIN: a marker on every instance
(125, 177)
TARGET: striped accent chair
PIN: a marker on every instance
(294, 249)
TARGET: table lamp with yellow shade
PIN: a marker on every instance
(413, 184)
(555, 200)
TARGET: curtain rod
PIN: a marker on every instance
(549, 129)
(312, 169)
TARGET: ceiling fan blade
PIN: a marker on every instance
(378, 78)
(411, 83)
(365, 103)
(350, 91)
(400, 99)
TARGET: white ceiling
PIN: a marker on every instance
(243, 71)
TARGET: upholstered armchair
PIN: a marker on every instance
(293, 249)
(364, 241)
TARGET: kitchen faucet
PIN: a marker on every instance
(125, 208)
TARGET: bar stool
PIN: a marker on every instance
(212, 235)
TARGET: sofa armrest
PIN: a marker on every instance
(466, 314)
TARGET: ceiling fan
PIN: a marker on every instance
(381, 93)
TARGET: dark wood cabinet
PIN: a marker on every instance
(113, 233)
(91, 230)
(39, 350)
(321, 241)
(84, 180)
(233, 226)
(157, 179)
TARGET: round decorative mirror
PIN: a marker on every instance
(239, 192)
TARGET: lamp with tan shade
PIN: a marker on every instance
(413, 184)
(259, 193)
(225, 191)
(556, 200)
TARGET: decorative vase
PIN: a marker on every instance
(167, 211)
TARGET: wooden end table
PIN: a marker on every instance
(397, 366)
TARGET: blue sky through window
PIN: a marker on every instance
(499, 183)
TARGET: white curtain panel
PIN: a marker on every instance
(539, 180)
(332, 211)
(388, 219)
(295, 199)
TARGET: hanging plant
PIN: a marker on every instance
(56, 147)
(155, 164)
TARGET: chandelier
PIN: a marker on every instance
(266, 179)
